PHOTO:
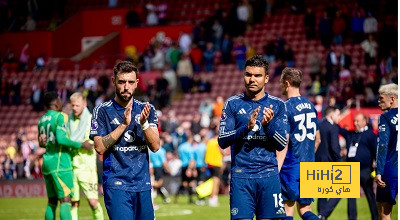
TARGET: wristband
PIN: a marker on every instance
(145, 125)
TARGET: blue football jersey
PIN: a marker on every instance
(253, 151)
(158, 158)
(386, 156)
(303, 125)
(126, 164)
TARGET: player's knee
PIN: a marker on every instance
(304, 208)
(53, 201)
(75, 204)
(66, 199)
(93, 203)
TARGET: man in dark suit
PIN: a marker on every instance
(361, 147)
(328, 151)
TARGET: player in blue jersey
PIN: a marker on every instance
(387, 157)
(304, 139)
(255, 125)
(123, 129)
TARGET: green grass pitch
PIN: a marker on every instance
(33, 208)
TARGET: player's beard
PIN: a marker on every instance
(124, 98)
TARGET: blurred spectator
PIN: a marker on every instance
(185, 42)
(357, 27)
(370, 47)
(269, 7)
(37, 98)
(316, 86)
(331, 65)
(51, 83)
(206, 107)
(209, 57)
(131, 54)
(288, 56)
(167, 142)
(15, 91)
(9, 62)
(344, 58)
(218, 105)
(90, 82)
(19, 167)
(132, 18)
(370, 24)
(30, 24)
(195, 83)
(151, 18)
(270, 49)
(338, 28)
(344, 74)
(226, 49)
(185, 72)
(4, 91)
(239, 51)
(196, 55)
(36, 171)
(325, 29)
(370, 98)
(205, 85)
(309, 24)
(173, 55)
(40, 63)
(218, 31)
(162, 91)
(158, 60)
(243, 15)
(319, 101)
(250, 50)
(24, 58)
(170, 75)
(161, 9)
(170, 123)
(175, 167)
(314, 62)
(195, 125)
(112, 3)
(9, 168)
(391, 61)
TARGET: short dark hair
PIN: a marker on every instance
(329, 110)
(49, 97)
(125, 67)
(293, 76)
(258, 61)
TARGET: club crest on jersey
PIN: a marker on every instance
(137, 118)
(234, 211)
(94, 124)
(223, 116)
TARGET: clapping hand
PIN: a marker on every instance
(268, 115)
(128, 113)
(253, 117)
(145, 113)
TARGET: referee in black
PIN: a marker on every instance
(361, 147)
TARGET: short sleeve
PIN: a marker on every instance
(153, 119)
